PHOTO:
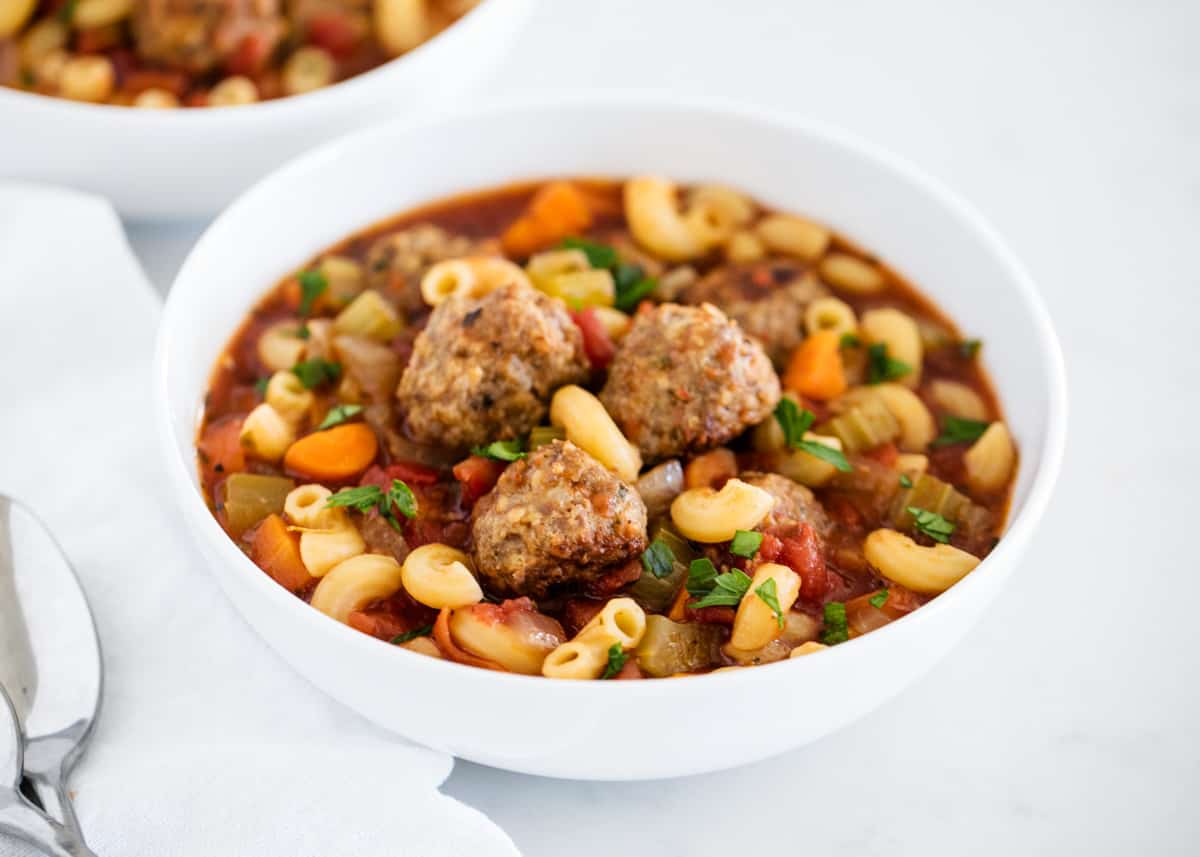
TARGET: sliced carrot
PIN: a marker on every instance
(678, 611)
(221, 448)
(277, 552)
(816, 369)
(557, 210)
(333, 455)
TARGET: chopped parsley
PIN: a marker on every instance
(338, 414)
(770, 596)
(879, 598)
(931, 524)
(312, 285)
(701, 574)
(969, 348)
(905, 481)
(745, 543)
(616, 661)
(260, 386)
(959, 430)
(316, 372)
(658, 559)
(836, 629)
(795, 423)
(364, 498)
(423, 631)
(501, 450)
(882, 368)
(849, 340)
(598, 255)
(726, 590)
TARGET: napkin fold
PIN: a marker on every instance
(207, 743)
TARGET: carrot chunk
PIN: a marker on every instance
(556, 211)
(333, 455)
(221, 448)
(277, 552)
(816, 369)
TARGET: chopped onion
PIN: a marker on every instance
(659, 486)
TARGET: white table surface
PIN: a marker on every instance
(1069, 720)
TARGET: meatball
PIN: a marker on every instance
(557, 520)
(483, 368)
(202, 35)
(686, 379)
(396, 262)
(767, 299)
(794, 503)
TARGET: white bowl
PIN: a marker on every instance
(613, 730)
(191, 163)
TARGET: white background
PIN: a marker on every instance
(1069, 720)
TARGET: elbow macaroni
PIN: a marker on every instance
(620, 622)
(990, 459)
(927, 570)
(287, 395)
(266, 434)
(544, 267)
(709, 516)
(320, 551)
(851, 274)
(305, 507)
(354, 583)
(958, 400)
(279, 347)
(401, 25)
(13, 15)
(793, 236)
(473, 276)
(755, 623)
(440, 576)
(830, 314)
(656, 222)
(900, 333)
(917, 426)
(590, 428)
(90, 14)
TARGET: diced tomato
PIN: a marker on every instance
(770, 548)
(596, 343)
(802, 554)
(251, 54)
(716, 615)
(411, 473)
(577, 612)
(334, 32)
(631, 670)
(221, 448)
(391, 618)
(886, 454)
(478, 476)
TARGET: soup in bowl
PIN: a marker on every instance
(698, 433)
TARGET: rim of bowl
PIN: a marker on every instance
(260, 112)
(1016, 535)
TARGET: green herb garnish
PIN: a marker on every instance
(501, 450)
(727, 590)
(836, 629)
(312, 284)
(795, 423)
(658, 559)
(338, 414)
(314, 373)
(932, 524)
(364, 498)
(882, 368)
(630, 281)
(423, 631)
(260, 386)
(770, 596)
(905, 481)
(616, 661)
(969, 348)
(879, 598)
(745, 543)
(701, 574)
(598, 255)
(959, 430)
(849, 340)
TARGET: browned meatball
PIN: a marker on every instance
(686, 379)
(484, 368)
(767, 299)
(397, 261)
(201, 35)
(794, 503)
(556, 520)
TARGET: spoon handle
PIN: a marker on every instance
(20, 819)
(52, 793)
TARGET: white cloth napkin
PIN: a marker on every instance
(207, 744)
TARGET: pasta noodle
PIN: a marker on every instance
(851, 274)
(793, 236)
(830, 314)
(709, 516)
(744, 246)
(322, 550)
(590, 428)
(958, 400)
(305, 506)
(440, 576)
(917, 426)
(807, 649)
(266, 434)
(543, 267)
(656, 222)
(279, 346)
(755, 623)
(287, 395)
(989, 461)
(401, 25)
(354, 583)
(473, 276)
(900, 334)
(622, 620)
(927, 570)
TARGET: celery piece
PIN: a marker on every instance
(677, 647)
(250, 497)
(864, 426)
(657, 593)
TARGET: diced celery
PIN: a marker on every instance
(677, 647)
(864, 426)
(250, 497)
(931, 494)
(657, 593)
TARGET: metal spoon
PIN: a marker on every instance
(49, 655)
(18, 817)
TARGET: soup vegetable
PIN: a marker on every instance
(603, 430)
(205, 53)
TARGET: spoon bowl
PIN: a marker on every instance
(49, 654)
